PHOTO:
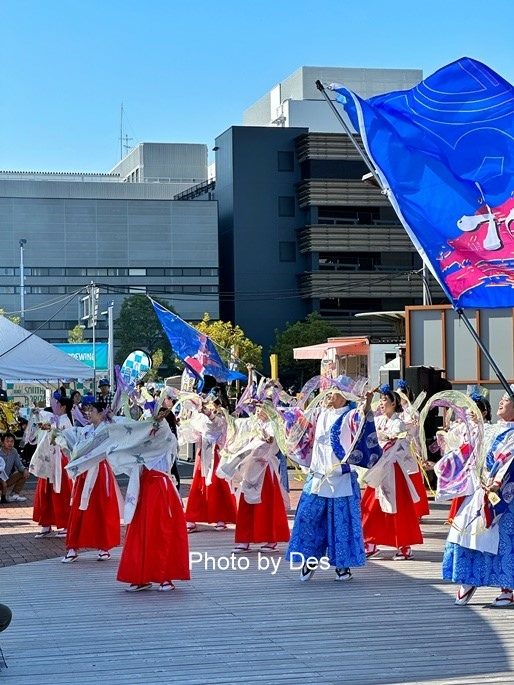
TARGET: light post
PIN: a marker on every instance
(22, 283)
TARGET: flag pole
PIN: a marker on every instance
(460, 312)
(487, 355)
(343, 123)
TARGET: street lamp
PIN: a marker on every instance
(22, 283)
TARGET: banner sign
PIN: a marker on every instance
(84, 353)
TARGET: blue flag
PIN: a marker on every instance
(195, 349)
(444, 153)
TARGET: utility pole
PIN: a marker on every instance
(23, 242)
(90, 303)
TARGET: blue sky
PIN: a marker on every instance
(186, 71)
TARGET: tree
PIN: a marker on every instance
(76, 334)
(14, 319)
(231, 337)
(138, 328)
(157, 359)
(312, 331)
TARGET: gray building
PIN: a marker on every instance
(127, 237)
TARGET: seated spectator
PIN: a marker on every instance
(15, 471)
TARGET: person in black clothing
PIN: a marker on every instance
(104, 396)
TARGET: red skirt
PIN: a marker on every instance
(394, 530)
(266, 521)
(210, 503)
(53, 508)
(99, 525)
(421, 507)
(156, 546)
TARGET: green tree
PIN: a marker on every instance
(312, 331)
(14, 319)
(138, 328)
(231, 337)
(76, 334)
(157, 360)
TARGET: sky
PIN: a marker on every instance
(186, 71)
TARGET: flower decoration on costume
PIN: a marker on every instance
(384, 389)
(402, 385)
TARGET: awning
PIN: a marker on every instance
(340, 347)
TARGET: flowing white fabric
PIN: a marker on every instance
(395, 450)
(46, 460)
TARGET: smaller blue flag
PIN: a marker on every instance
(195, 349)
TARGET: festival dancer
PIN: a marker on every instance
(328, 518)
(254, 473)
(389, 514)
(156, 548)
(95, 504)
(53, 490)
(480, 547)
(210, 498)
(410, 418)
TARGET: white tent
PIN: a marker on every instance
(24, 356)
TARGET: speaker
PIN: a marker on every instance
(426, 378)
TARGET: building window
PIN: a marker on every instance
(137, 272)
(286, 205)
(285, 161)
(287, 251)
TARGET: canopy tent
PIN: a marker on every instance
(24, 356)
(339, 345)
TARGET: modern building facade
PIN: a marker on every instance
(299, 231)
(126, 237)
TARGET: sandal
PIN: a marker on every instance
(220, 526)
(192, 527)
(69, 558)
(269, 547)
(103, 556)
(464, 594)
(371, 550)
(43, 534)
(504, 599)
(241, 549)
(167, 586)
(138, 588)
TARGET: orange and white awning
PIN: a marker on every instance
(339, 347)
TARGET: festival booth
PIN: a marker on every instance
(26, 357)
(352, 356)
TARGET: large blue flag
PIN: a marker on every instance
(195, 349)
(444, 153)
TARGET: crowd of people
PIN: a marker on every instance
(364, 463)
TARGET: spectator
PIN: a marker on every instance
(17, 473)
(104, 395)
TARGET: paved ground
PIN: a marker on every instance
(17, 530)
(396, 622)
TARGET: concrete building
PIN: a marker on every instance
(127, 237)
(296, 102)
